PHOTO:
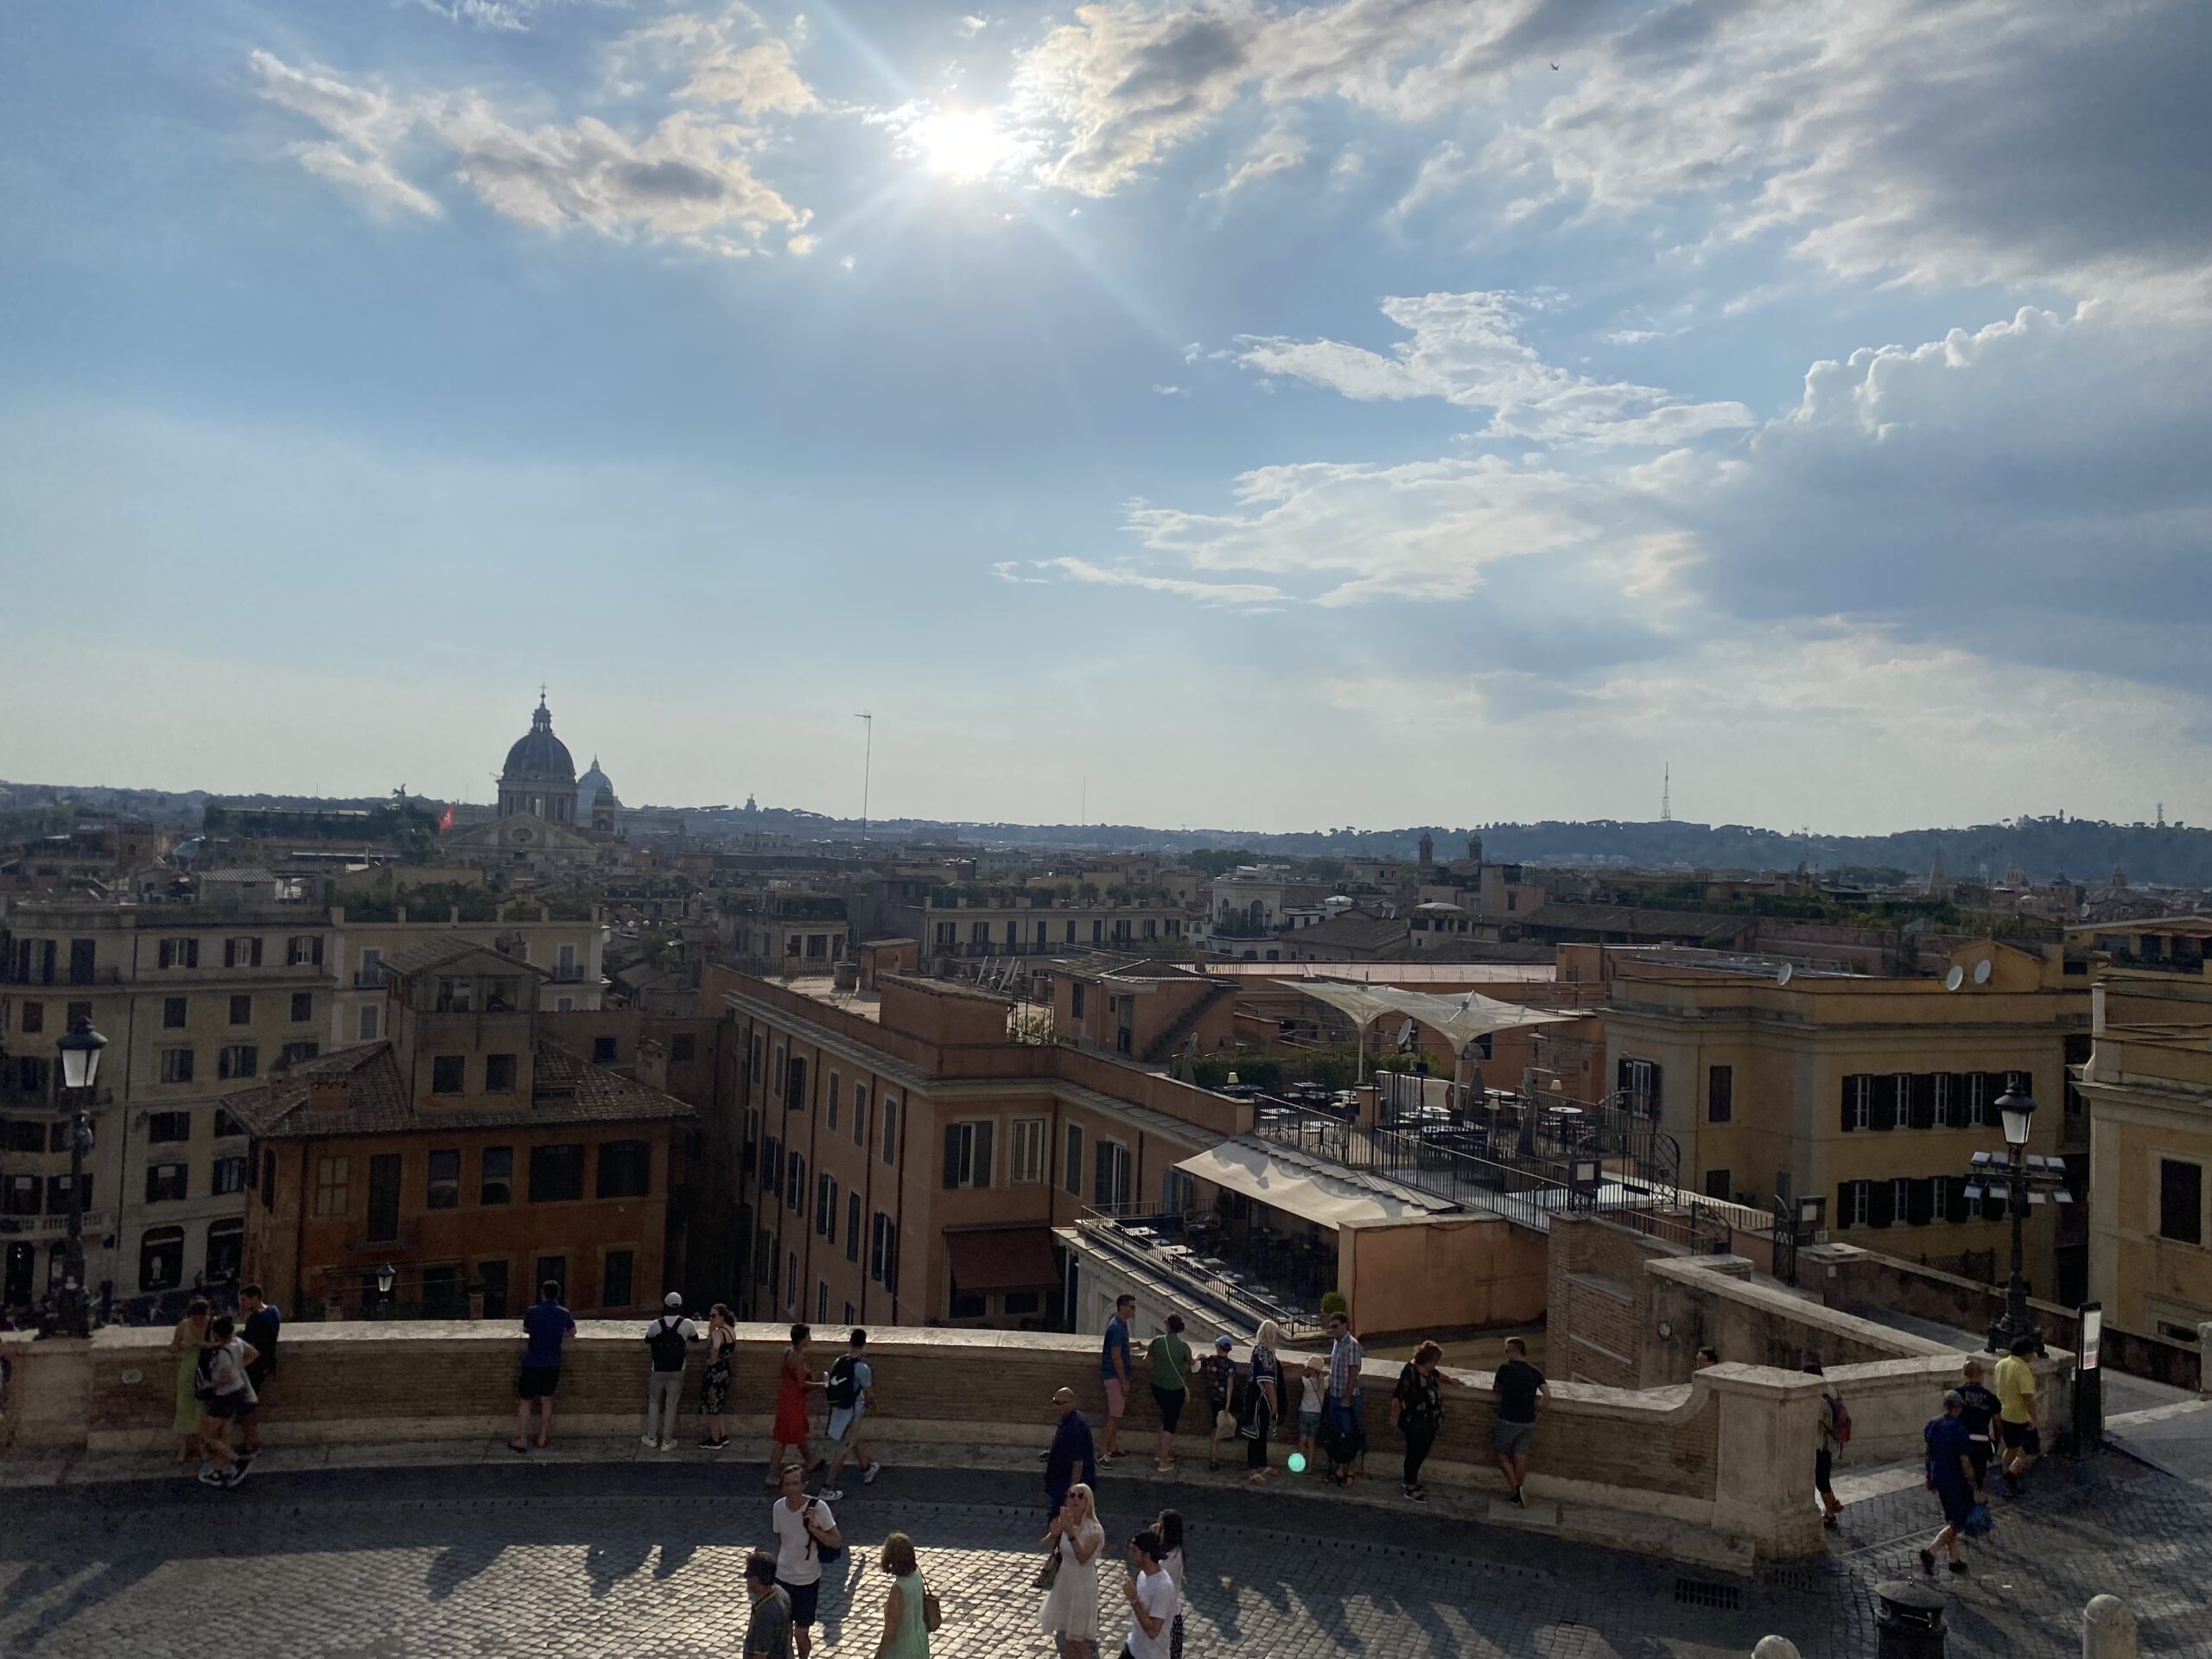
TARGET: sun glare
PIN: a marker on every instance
(963, 145)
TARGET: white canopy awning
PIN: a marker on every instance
(1462, 1018)
(1305, 1190)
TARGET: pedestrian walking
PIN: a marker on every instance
(1706, 1357)
(1262, 1401)
(1310, 1403)
(794, 1380)
(1071, 1460)
(189, 1342)
(769, 1634)
(1219, 1370)
(1977, 1409)
(1344, 1429)
(714, 1381)
(668, 1349)
(1075, 1539)
(805, 1528)
(1169, 1526)
(1950, 1477)
(2016, 1398)
(229, 1397)
(1150, 1593)
(1417, 1411)
(1168, 1360)
(1832, 1428)
(545, 1326)
(258, 1332)
(1519, 1386)
(910, 1611)
(850, 1390)
(1114, 1364)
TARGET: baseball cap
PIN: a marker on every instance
(1223, 1342)
(674, 1298)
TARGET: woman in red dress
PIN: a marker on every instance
(793, 1382)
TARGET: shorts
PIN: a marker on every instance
(227, 1405)
(1117, 1397)
(1823, 1469)
(845, 1424)
(1979, 1450)
(1309, 1424)
(1170, 1402)
(1513, 1439)
(2021, 1436)
(537, 1382)
(804, 1597)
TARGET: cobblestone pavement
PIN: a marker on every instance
(590, 1559)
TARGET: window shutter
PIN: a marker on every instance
(1620, 1076)
(1924, 1100)
(1881, 1206)
(1848, 1121)
(1957, 1205)
(981, 1164)
(1920, 1202)
(1100, 1190)
(1842, 1217)
(316, 956)
(1886, 1102)
(952, 1155)
(168, 947)
(1654, 1089)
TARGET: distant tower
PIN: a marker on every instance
(1427, 850)
(2162, 815)
(1475, 848)
(1667, 794)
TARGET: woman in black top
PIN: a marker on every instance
(1262, 1401)
(1417, 1409)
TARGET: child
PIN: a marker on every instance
(1309, 1406)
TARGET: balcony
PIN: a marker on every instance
(1246, 1274)
(570, 975)
(61, 977)
(96, 1223)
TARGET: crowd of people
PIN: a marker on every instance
(223, 1363)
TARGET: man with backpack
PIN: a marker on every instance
(668, 1342)
(806, 1537)
(851, 1393)
(1832, 1434)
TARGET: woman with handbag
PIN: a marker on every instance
(714, 1384)
(911, 1610)
(1069, 1577)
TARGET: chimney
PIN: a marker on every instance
(330, 1093)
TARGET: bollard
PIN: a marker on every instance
(1908, 1621)
(1776, 1646)
(2108, 1630)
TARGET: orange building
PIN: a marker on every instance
(468, 1152)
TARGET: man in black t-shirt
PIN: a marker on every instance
(1519, 1385)
(1977, 1409)
(262, 1323)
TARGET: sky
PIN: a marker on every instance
(1196, 412)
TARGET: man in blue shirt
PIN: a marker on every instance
(1951, 1477)
(1114, 1370)
(545, 1322)
(259, 1331)
(1071, 1460)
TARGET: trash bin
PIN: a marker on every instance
(1908, 1621)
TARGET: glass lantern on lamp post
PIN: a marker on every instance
(80, 1048)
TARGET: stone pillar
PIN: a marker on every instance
(2108, 1630)
(1774, 1647)
(2204, 1360)
(1763, 1483)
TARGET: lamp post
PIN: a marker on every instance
(385, 1275)
(80, 1047)
(2015, 1110)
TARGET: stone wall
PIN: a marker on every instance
(1719, 1453)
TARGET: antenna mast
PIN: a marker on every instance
(867, 768)
(1667, 794)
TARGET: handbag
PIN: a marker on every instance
(1977, 1524)
(933, 1614)
(1050, 1572)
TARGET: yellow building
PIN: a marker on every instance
(1872, 1093)
(2149, 1088)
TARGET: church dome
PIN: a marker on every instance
(538, 756)
(593, 784)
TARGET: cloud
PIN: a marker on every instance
(1280, 150)
(689, 180)
(1173, 392)
(972, 25)
(1082, 570)
(712, 59)
(1464, 350)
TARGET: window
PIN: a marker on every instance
(372, 974)
(836, 1088)
(625, 1169)
(772, 1166)
(791, 1282)
(1719, 1184)
(493, 1275)
(1978, 1099)
(1720, 1094)
(242, 953)
(1858, 1101)
(180, 953)
(302, 951)
(795, 1098)
(237, 1060)
(303, 1007)
(889, 1113)
(269, 1177)
(164, 1126)
(176, 1065)
(226, 1126)
(446, 1073)
(852, 1227)
(753, 1049)
(1179, 1191)
(1639, 1081)
(226, 1249)
(825, 1205)
(57, 1194)
(614, 1286)
(1110, 1192)
(2181, 1201)
(779, 1071)
(370, 1021)
(1854, 1203)
(764, 1262)
(852, 1317)
(795, 1184)
(822, 1302)
(602, 1051)
(160, 1259)
(173, 1013)
(967, 1154)
(881, 1264)
(242, 1009)
(965, 1308)
(293, 1053)
(498, 1074)
(556, 1173)
(495, 1175)
(1946, 1090)
(1075, 999)
(230, 1175)
(443, 1192)
(1071, 1170)
(165, 1183)
(330, 1188)
(1901, 1200)
(860, 1114)
(442, 1297)
(682, 1048)
(32, 1018)
(1025, 1153)
(383, 1197)
(19, 1196)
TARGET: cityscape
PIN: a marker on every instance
(1473, 922)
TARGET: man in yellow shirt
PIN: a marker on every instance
(2015, 1381)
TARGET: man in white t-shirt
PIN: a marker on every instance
(1153, 1600)
(851, 1388)
(668, 1342)
(803, 1525)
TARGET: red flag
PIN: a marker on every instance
(445, 818)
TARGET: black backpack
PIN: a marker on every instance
(842, 1387)
(667, 1343)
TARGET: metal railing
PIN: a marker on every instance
(1234, 1280)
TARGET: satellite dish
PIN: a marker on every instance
(1784, 977)
(1955, 978)
(1981, 971)
(1406, 1036)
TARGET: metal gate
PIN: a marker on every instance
(1785, 1241)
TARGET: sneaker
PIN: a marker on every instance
(1958, 1567)
(868, 1474)
(715, 1445)
(668, 1445)
(1519, 1503)
(830, 1495)
(647, 1439)
(1928, 1562)
(207, 1476)
(237, 1473)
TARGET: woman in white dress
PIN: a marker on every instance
(1071, 1611)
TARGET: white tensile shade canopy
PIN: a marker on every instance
(1461, 1019)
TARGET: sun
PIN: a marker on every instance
(962, 143)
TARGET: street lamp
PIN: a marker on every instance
(385, 1275)
(2015, 1110)
(80, 1047)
